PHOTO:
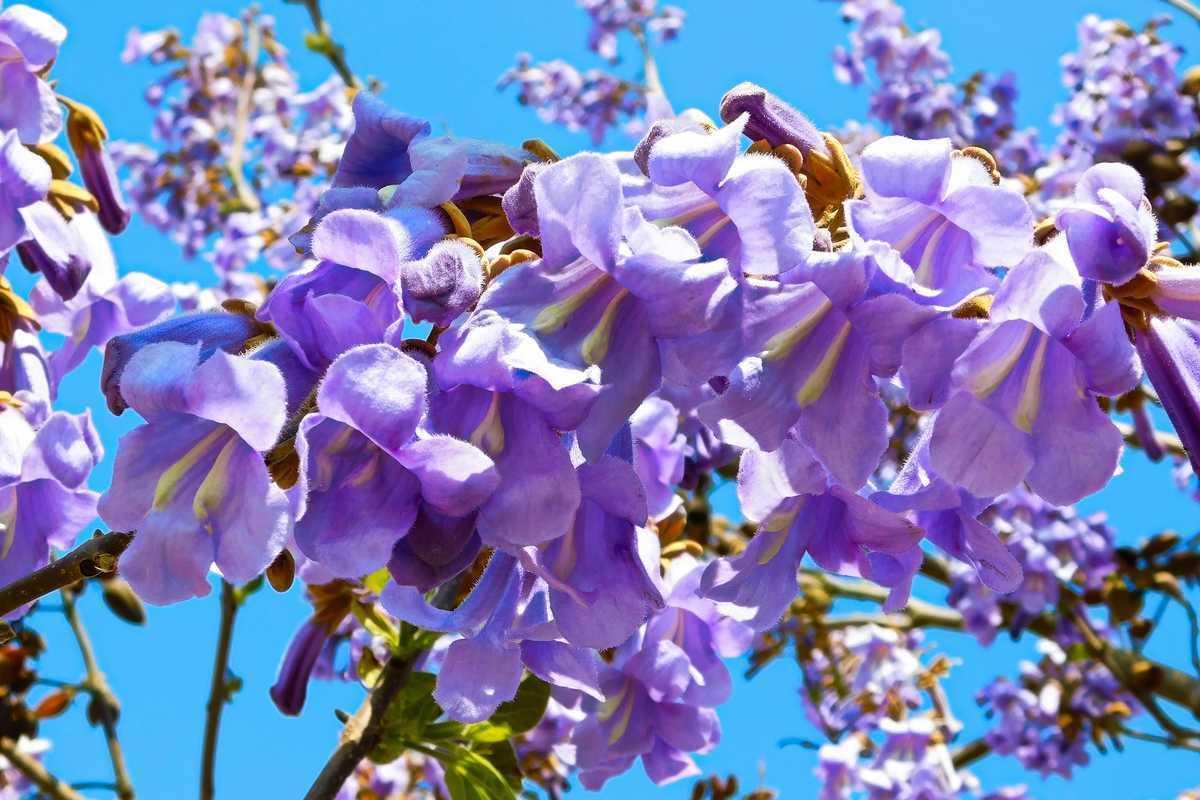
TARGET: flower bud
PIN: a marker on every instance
(87, 134)
(282, 571)
(120, 599)
(771, 119)
(443, 284)
(519, 203)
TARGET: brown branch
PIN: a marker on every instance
(37, 773)
(333, 52)
(96, 555)
(363, 730)
(218, 692)
(1186, 6)
(1167, 441)
(104, 703)
(1173, 685)
(237, 149)
(969, 753)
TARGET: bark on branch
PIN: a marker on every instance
(95, 556)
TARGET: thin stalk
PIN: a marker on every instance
(217, 692)
(1186, 6)
(241, 123)
(103, 700)
(49, 786)
(333, 52)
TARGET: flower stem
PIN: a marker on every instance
(334, 52)
(104, 703)
(31, 768)
(237, 149)
(1187, 7)
(218, 692)
(362, 731)
(96, 555)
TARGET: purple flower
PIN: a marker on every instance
(60, 250)
(504, 624)
(24, 180)
(443, 284)
(103, 308)
(818, 337)
(1110, 226)
(603, 584)
(661, 689)
(799, 511)
(941, 212)
(29, 42)
(771, 119)
(609, 289)
(23, 368)
(659, 451)
(87, 135)
(192, 481)
(1170, 353)
(367, 465)
(45, 461)
(388, 148)
(349, 297)
(1022, 404)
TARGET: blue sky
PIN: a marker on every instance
(441, 61)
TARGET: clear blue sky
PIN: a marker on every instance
(441, 61)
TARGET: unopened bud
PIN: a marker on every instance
(55, 703)
(443, 284)
(282, 571)
(771, 119)
(121, 600)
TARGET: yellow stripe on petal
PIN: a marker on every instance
(924, 271)
(776, 544)
(595, 346)
(622, 724)
(215, 486)
(611, 704)
(168, 482)
(712, 230)
(1031, 394)
(818, 381)
(779, 345)
(488, 435)
(555, 315)
(985, 381)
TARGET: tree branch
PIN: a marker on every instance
(1186, 6)
(362, 731)
(969, 753)
(96, 555)
(33, 769)
(218, 693)
(237, 149)
(1174, 685)
(104, 702)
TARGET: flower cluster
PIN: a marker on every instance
(912, 93)
(1058, 708)
(600, 323)
(595, 100)
(240, 154)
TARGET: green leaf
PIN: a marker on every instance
(407, 718)
(526, 709)
(471, 776)
(503, 756)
